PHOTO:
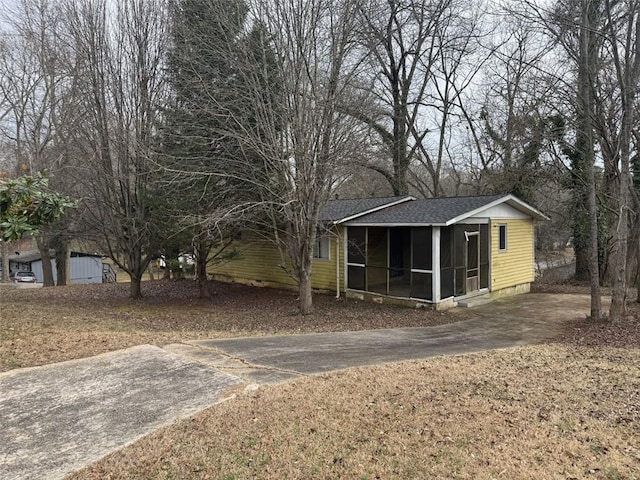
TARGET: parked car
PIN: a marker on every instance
(25, 277)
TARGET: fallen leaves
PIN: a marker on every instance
(47, 325)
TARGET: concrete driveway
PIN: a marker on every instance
(507, 322)
(58, 418)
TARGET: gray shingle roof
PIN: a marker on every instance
(339, 210)
(427, 211)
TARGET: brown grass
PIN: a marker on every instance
(46, 325)
(543, 412)
(569, 410)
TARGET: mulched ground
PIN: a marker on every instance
(232, 307)
(46, 325)
(623, 333)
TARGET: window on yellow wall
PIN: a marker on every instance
(502, 237)
(322, 247)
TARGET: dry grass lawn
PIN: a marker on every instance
(544, 412)
(567, 410)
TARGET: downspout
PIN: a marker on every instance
(338, 265)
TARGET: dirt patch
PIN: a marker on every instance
(535, 412)
(46, 325)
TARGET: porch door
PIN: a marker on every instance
(473, 262)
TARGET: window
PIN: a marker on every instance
(502, 237)
(322, 247)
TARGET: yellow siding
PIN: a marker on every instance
(515, 265)
(259, 261)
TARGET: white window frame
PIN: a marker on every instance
(322, 246)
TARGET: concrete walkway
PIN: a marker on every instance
(58, 418)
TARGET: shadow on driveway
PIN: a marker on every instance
(508, 322)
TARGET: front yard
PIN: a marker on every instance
(566, 410)
(47, 325)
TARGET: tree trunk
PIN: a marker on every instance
(137, 266)
(594, 269)
(202, 254)
(203, 283)
(61, 268)
(637, 273)
(581, 248)
(5, 262)
(135, 290)
(627, 67)
(63, 263)
(67, 270)
(45, 255)
(306, 297)
(619, 254)
(585, 141)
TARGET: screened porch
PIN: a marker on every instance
(399, 261)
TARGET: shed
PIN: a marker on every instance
(84, 267)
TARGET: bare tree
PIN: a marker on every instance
(605, 50)
(119, 54)
(417, 57)
(623, 38)
(292, 75)
(603, 37)
(575, 26)
(587, 65)
(34, 85)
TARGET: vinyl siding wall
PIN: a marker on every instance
(514, 266)
(259, 263)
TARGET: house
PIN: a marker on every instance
(436, 251)
(84, 267)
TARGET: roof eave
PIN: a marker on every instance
(404, 224)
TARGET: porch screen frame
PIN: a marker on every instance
(477, 226)
(433, 293)
(358, 265)
(422, 271)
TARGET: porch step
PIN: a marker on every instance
(474, 301)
